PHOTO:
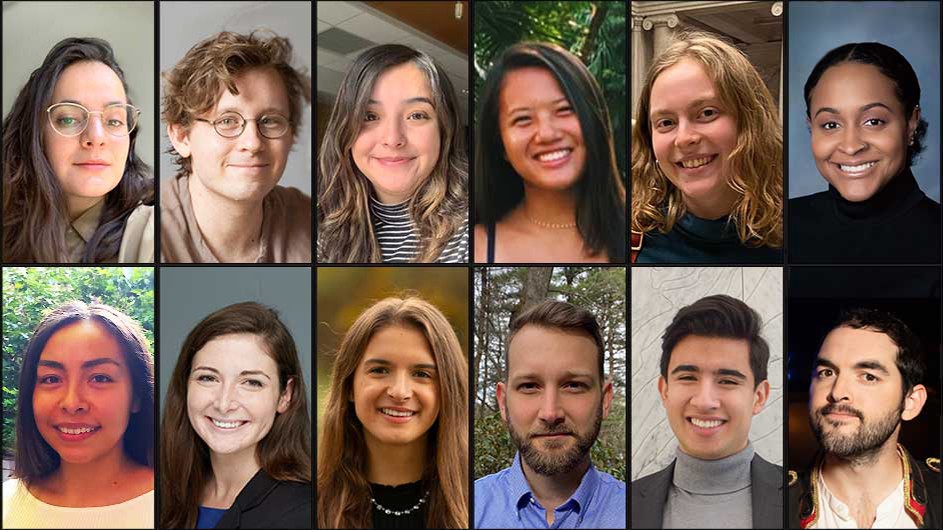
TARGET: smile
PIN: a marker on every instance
(553, 156)
(694, 163)
(393, 160)
(228, 424)
(80, 430)
(860, 168)
(706, 424)
(398, 413)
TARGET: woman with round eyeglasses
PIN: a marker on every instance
(74, 190)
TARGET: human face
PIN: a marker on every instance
(855, 398)
(859, 130)
(398, 144)
(89, 165)
(396, 388)
(693, 135)
(540, 130)
(553, 401)
(709, 395)
(246, 168)
(83, 397)
(233, 393)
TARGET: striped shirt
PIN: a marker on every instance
(399, 240)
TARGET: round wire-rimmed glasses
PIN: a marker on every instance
(71, 119)
(232, 124)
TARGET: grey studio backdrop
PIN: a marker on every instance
(657, 295)
(31, 29)
(912, 28)
(188, 294)
(184, 24)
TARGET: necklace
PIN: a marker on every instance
(400, 512)
(545, 224)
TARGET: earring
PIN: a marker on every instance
(911, 140)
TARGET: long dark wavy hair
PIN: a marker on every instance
(600, 207)
(35, 210)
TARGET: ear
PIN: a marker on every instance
(180, 138)
(285, 400)
(501, 395)
(913, 122)
(913, 402)
(663, 389)
(606, 397)
(760, 395)
(136, 405)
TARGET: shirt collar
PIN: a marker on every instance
(521, 492)
(86, 224)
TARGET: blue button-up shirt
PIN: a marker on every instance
(504, 500)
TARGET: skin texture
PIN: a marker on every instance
(857, 119)
(234, 379)
(94, 86)
(703, 384)
(399, 140)
(689, 122)
(241, 170)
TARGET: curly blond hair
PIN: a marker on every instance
(756, 162)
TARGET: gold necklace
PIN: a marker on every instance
(549, 225)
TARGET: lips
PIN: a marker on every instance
(855, 168)
(393, 160)
(227, 424)
(696, 162)
(76, 432)
(553, 156)
(398, 413)
(93, 164)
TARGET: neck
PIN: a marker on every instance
(83, 484)
(873, 477)
(552, 491)
(231, 473)
(231, 229)
(395, 464)
(79, 205)
(549, 206)
(717, 206)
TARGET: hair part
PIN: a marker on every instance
(439, 207)
(284, 453)
(35, 207)
(718, 316)
(35, 458)
(657, 204)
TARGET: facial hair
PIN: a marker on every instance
(549, 463)
(860, 446)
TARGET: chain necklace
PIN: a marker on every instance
(545, 224)
(400, 512)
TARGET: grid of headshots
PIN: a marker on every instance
(325, 264)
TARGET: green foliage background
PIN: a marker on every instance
(29, 293)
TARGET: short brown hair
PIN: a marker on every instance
(192, 86)
(560, 315)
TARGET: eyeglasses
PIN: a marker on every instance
(231, 125)
(71, 119)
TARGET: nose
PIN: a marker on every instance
(251, 138)
(687, 134)
(400, 388)
(73, 402)
(547, 128)
(393, 134)
(225, 400)
(839, 390)
(551, 411)
(852, 142)
(94, 134)
(705, 398)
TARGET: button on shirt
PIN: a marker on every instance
(836, 514)
(504, 500)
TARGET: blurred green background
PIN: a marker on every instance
(29, 293)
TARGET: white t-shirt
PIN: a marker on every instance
(22, 510)
(833, 513)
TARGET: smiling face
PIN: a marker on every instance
(709, 395)
(91, 164)
(246, 168)
(553, 401)
(540, 130)
(859, 130)
(83, 396)
(233, 393)
(693, 135)
(399, 140)
(396, 388)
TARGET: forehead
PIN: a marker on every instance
(91, 83)
(529, 85)
(853, 85)
(682, 83)
(235, 353)
(80, 341)
(844, 347)
(711, 353)
(259, 89)
(398, 344)
(551, 351)
(401, 82)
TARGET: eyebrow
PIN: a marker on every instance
(867, 364)
(56, 365)
(729, 372)
(863, 108)
(417, 99)
(384, 362)
(263, 112)
(244, 372)
(524, 108)
(696, 103)
(80, 103)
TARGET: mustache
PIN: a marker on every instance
(844, 409)
(559, 428)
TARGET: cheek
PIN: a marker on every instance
(822, 146)
(724, 133)
(661, 144)
(427, 141)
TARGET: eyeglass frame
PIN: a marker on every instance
(135, 110)
(245, 122)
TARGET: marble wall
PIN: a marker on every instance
(657, 294)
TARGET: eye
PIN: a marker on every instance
(871, 378)
(874, 122)
(663, 123)
(67, 121)
(418, 115)
(565, 110)
(823, 373)
(829, 125)
(527, 388)
(710, 113)
(101, 378)
(576, 386)
(370, 116)
(206, 378)
(255, 383)
(50, 380)
(521, 120)
(379, 370)
(687, 378)
(729, 382)
(423, 374)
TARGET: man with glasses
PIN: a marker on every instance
(232, 107)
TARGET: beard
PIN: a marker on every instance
(863, 444)
(554, 462)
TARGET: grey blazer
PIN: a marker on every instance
(650, 493)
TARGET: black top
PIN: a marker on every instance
(268, 503)
(490, 230)
(695, 240)
(899, 224)
(399, 498)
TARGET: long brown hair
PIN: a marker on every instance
(285, 453)
(342, 489)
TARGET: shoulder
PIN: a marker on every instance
(614, 488)
(808, 203)
(137, 242)
(485, 483)
(292, 198)
(10, 489)
(288, 504)
(644, 485)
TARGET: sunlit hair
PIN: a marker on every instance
(439, 206)
(194, 85)
(343, 490)
(284, 453)
(35, 207)
(756, 163)
(600, 205)
(35, 458)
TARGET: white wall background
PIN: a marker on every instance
(184, 24)
(657, 294)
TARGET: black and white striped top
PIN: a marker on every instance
(399, 239)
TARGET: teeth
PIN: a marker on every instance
(554, 155)
(856, 169)
(696, 162)
(397, 413)
(82, 430)
(226, 424)
(706, 424)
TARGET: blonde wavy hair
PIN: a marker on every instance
(756, 163)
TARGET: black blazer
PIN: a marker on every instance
(650, 493)
(269, 503)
